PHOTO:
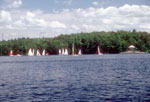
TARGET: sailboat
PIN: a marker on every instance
(80, 53)
(65, 52)
(11, 53)
(99, 53)
(43, 53)
(60, 52)
(30, 53)
(18, 55)
(38, 53)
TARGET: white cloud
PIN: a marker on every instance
(95, 3)
(30, 20)
(74, 27)
(68, 21)
(101, 4)
(19, 23)
(57, 24)
(5, 17)
(12, 3)
(68, 2)
(15, 4)
(9, 26)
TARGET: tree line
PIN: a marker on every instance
(109, 42)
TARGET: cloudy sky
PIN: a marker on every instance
(49, 18)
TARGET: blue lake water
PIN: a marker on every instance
(88, 78)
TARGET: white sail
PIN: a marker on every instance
(80, 53)
(38, 53)
(30, 52)
(43, 53)
(11, 53)
(63, 52)
(66, 52)
(59, 51)
(99, 53)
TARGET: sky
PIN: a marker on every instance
(50, 18)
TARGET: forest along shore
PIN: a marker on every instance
(108, 42)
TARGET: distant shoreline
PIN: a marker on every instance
(127, 52)
(85, 43)
(133, 52)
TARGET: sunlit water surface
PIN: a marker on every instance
(88, 78)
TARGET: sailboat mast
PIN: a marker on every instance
(98, 50)
(72, 49)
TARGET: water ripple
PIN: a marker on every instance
(108, 78)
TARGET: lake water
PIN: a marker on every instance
(88, 78)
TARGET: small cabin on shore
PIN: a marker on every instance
(132, 48)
